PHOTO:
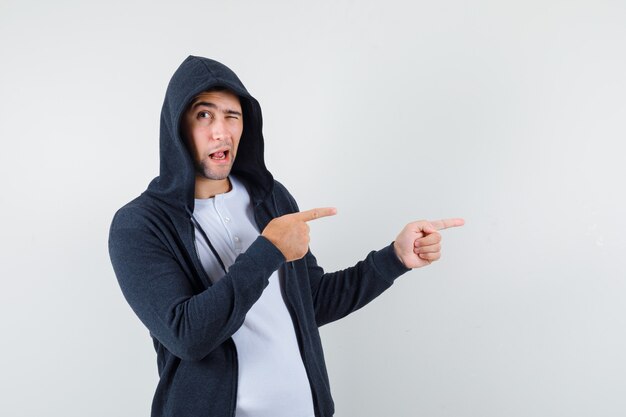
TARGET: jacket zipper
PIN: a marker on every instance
(298, 332)
(233, 401)
(296, 324)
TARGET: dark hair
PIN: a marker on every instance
(210, 90)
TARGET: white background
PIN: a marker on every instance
(511, 114)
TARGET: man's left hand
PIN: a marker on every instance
(419, 243)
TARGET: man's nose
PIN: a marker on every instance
(219, 129)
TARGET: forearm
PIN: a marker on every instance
(188, 323)
(337, 294)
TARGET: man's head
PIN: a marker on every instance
(212, 126)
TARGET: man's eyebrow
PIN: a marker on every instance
(213, 106)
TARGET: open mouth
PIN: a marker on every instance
(219, 155)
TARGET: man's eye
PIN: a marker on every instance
(204, 115)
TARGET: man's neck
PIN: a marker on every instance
(206, 188)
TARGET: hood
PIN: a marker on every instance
(176, 180)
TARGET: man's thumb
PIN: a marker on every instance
(428, 229)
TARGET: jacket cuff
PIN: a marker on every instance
(388, 263)
(265, 254)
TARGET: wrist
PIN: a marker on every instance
(397, 253)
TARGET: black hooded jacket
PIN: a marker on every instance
(191, 320)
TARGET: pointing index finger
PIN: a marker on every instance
(446, 223)
(316, 213)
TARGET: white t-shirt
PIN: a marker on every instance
(272, 380)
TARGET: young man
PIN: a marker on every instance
(213, 258)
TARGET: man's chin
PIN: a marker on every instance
(215, 175)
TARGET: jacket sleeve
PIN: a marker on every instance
(337, 294)
(189, 324)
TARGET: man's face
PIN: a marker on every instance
(212, 127)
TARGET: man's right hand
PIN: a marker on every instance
(290, 233)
